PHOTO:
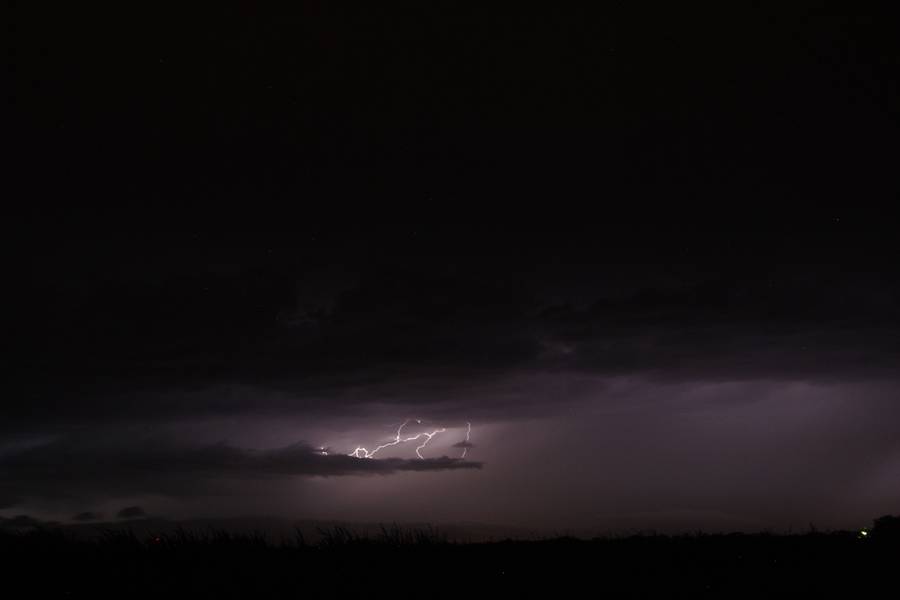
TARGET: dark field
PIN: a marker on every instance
(423, 564)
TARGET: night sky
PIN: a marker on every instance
(208, 344)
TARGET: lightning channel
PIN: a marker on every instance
(468, 434)
(362, 452)
(428, 437)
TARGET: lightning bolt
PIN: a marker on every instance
(362, 452)
(468, 434)
(428, 437)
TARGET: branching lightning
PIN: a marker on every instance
(362, 452)
(468, 434)
(428, 437)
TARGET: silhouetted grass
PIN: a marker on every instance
(423, 562)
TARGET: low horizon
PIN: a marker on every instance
(274, 529)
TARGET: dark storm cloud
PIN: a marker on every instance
(87, 516)
(88, 467)
(732, 330)
(561, 100)
(7, 500)
(168, 327)
(20, 522)
(131, 512)
(463, 444)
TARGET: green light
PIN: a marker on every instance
(864, 533)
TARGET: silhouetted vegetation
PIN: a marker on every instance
(48, 561)
(886, 528)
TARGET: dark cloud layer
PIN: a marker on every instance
(599, 103)
(162, 327)
(131, 512)
(87, 467)
(87, 516)
(20, 522)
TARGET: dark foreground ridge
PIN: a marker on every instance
(397, 561)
